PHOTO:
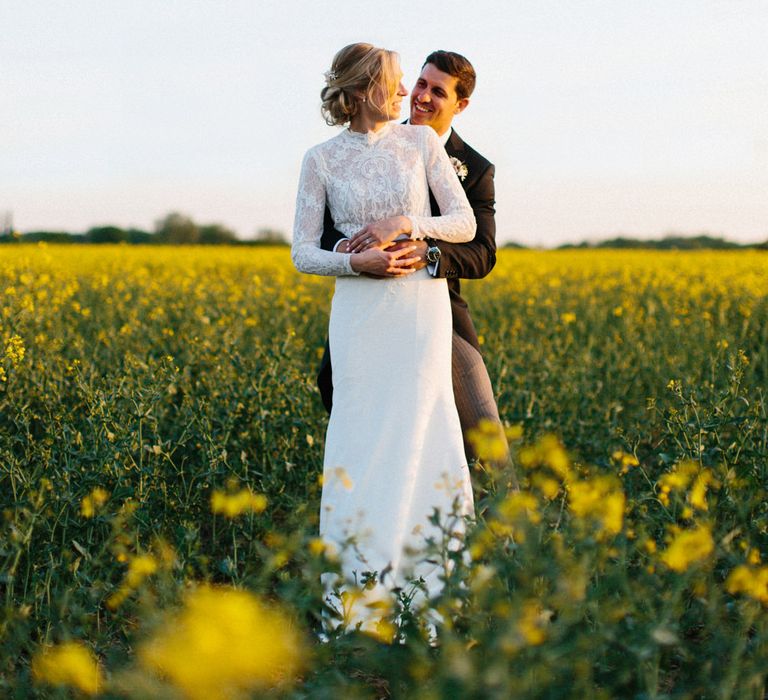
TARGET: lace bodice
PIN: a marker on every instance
(369, 177)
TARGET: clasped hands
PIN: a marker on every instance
(376, 252)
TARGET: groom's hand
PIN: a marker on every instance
(379, 233)
(420, 251)
(377, 262)
(417, 251)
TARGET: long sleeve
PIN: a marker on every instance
(306, 253)
(457, 221)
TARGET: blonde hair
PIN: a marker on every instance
(359, 72)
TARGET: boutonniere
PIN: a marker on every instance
(459, 167)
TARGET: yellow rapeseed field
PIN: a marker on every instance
(161, 443)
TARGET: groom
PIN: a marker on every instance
(441, 92)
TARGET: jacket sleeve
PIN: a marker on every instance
(331, 236)
(476, 258)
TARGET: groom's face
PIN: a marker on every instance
(434, 101)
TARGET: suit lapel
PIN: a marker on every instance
(455, 146)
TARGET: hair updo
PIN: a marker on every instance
(357, 73)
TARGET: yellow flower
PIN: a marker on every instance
(488, 441)
(531, 625)
(688, 474)
(680, 477)
(689, 547)
(139, 567)
(515, 511)
(548, 486)
(519, 504)
(15, 350)
(750, 581)
(231, 505)
(483, 543)
(225, 643)
(625, 460)
(70, 664)
(384, 631)
(93, 501)
(349, 598)
(514, 433)
(547, 452)
(600, 499)
(698, 494)
(500, 529)
(316, 546)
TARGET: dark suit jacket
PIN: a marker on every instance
(471, 260)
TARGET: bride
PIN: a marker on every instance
(394, 451)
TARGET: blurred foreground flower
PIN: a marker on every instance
(688, 473)
(547, 452)
(231, 505)
(70, 664)
(225, 643)
(489, 441)
(689, 547)
(530, 628)
(698, 493)
(139, 567)
(752, 582)
(515, 513)
(93, 501)
(600, 499)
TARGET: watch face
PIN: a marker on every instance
(433, 254)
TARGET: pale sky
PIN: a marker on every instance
(635, 117)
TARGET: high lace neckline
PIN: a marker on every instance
(369, 137)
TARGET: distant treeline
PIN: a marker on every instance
(178, 229)
(173, 229)
(671, 242)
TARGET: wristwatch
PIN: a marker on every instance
(433, 252)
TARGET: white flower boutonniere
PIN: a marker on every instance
(459, 167)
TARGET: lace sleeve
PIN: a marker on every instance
(306, 253)
(457, 223)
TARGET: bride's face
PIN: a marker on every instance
(388, 102)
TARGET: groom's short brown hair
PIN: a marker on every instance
(456, 65)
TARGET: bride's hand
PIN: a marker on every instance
(385, 263)
(379, 233)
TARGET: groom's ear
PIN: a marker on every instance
(461, 105)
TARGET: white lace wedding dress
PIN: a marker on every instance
(394, 450)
